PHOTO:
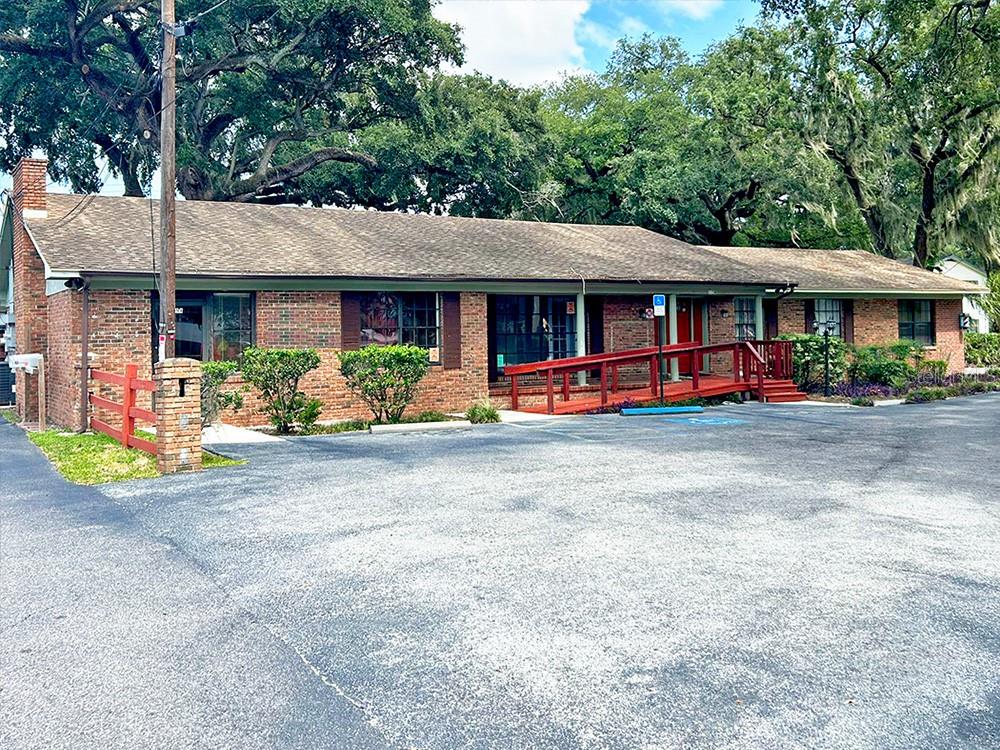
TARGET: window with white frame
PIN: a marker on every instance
(745, 310)
(830, 312)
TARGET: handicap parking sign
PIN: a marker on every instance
(659, 305)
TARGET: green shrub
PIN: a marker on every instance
(862, 401)
(930, 393)
(982, 349)
(213, 399)
(385, 377)
(808, 359)
(885, 365)
(276, 374)
(482, 413)
(429, 416)
(933, 369)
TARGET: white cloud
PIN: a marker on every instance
(523, 42)
(696, 9)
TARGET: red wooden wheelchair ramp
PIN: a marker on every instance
(762, 368)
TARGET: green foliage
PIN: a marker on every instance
(482, 413)
(96, 458)
(862, 401)
(982, 349)
(213, 399)
(276, 374)
(704, 150)
(990, 303)
(900, 97)
(928, 393)
(894, 364)
(385, 378)
(809, 359)
(471, 147)
(267, 89)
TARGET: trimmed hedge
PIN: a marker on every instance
(276, 374)
(385, 377)
(982, 349)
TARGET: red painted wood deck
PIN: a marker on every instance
(763, 368)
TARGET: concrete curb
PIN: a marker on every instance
(378, 429)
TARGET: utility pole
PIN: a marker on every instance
(168, 182)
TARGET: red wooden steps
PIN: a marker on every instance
(782, 392)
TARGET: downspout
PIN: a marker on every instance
(85, 356)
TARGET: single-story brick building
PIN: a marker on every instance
(479, 294)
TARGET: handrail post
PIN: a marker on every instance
(604, 383)
(736, 363)
(549, 394)
(513, 393)
(565, 385)
(695, 371)
(614, 378)
(128, 401)
(654, 373)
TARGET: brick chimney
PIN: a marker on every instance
(30, 303)
(29, 187)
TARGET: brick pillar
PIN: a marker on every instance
(178, 415)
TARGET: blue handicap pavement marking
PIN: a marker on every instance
(704, 421)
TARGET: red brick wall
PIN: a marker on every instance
(721, 328)
(948, 334)
(791, 316)
(300, 319)
(62, 360)
(876, 321)
(30, 309)
(624, 327)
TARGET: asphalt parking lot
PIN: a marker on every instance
(782, 576)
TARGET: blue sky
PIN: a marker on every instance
(534, 42)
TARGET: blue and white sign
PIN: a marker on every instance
(659, 305)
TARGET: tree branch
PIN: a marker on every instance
(245, 190)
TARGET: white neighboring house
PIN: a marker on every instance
(959, 269)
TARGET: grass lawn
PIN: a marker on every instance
(95, 458)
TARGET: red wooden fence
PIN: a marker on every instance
(129, 412)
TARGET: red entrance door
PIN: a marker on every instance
(689, 328)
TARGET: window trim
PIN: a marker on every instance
(841, 324)
(399, 297)
(206, 301)
(931, 321)
(750, 323)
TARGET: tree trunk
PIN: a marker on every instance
(921, 233)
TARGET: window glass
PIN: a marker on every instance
(830, 311)
(534, 328)
(190, 329)
(232, 325)
(401, 318)
(916, 321)
(745, 309)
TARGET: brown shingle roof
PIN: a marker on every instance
(107, 234)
